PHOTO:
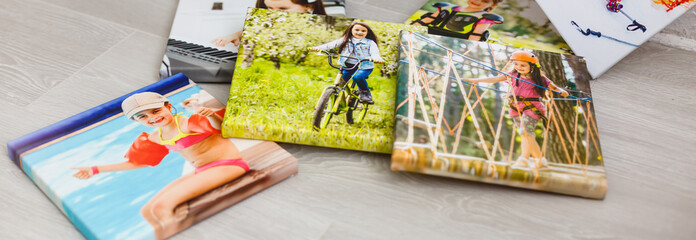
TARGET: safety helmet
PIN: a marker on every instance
(525, 56)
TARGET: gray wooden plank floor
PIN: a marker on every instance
(58, 58)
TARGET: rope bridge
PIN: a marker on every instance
(439, 155)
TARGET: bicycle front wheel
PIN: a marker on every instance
(322, 112)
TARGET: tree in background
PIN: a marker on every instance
(388, 36)
(285, 37)
(554, 68)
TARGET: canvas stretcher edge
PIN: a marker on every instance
(591, 185)
(269, 163)
(91, 116)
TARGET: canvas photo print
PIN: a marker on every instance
(497, 114)
(315, 80)
(518, 23)
(205, 35)
(149, 164)
(605, 31)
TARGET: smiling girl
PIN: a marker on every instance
(525, 107)
(196, 138)
(358, 42)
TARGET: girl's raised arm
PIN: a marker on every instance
(331, 45)
(556, 88)
(87, 172)
(214, 116)
(495, 79)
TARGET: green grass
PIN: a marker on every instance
(278, 105)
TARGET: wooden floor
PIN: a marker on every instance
(60, 57)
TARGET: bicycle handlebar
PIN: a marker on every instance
(329, 55)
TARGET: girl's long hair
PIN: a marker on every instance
(317, 6)
(537, 78)
(348, 34)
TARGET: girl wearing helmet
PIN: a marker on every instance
(525, 107)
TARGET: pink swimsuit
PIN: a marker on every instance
(186, 142)
(231, 162)
(146, 152)
(182, 140)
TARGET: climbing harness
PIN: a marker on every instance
(528, 106)
(452, 21)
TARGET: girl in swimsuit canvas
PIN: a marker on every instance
(197, 138)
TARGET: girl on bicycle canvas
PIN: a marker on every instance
(357, 43)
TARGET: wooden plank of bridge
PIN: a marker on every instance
(558, 177)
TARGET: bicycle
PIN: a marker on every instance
(340, 97)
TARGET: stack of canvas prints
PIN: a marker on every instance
(497, 114)
(177, 168)
(284, 91)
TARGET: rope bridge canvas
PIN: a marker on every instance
(452, 127)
